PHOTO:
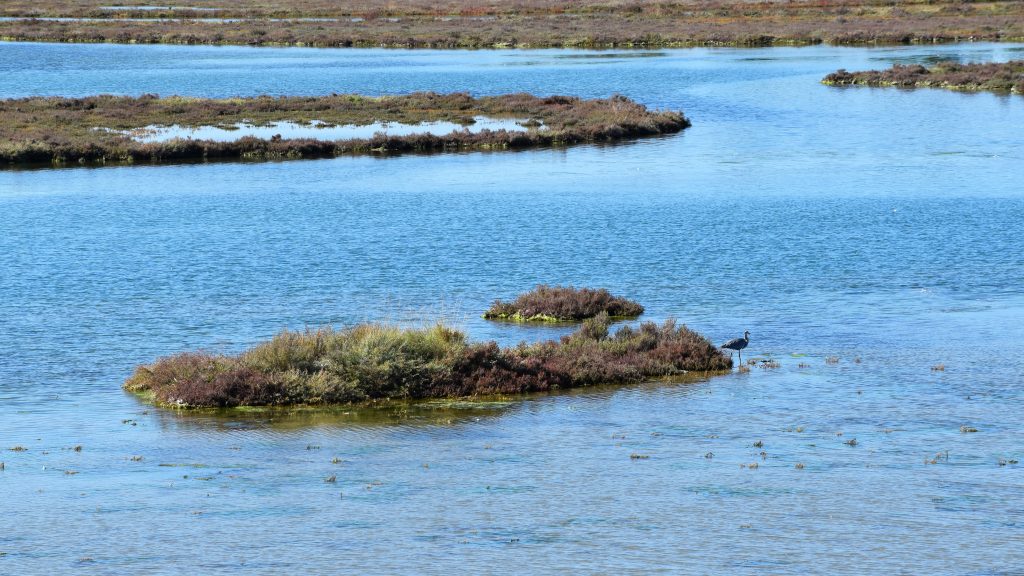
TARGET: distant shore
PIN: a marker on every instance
(525, 24)
(108, 129)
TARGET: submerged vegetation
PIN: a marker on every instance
(524, 23)
(993, 76)
(376, 362)
(98, 129)
(563, 304)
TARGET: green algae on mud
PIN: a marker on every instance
(372, 363)
(431, 412)
(563, 304)
(100, 129)
(1006, 77)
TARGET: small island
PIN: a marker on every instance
(109, 129)
(991, 76)
(563, 304)
(376, 362)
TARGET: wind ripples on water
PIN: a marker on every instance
(867, 238)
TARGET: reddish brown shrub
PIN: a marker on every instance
(563, 303)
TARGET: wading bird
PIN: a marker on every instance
(738, 344)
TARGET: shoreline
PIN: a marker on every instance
(595, 45)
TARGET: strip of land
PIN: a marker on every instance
(373, 362)
(990, 76)
(524, 24)
(105, 129)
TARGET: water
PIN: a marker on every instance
(320, 130)
(875, 224)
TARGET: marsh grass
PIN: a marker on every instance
(989, 76)
(563, 304)
(523, 23)
(97, 129)
(372, 362)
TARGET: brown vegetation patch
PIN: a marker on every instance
(524, 23)
(92, 129)
(374, 362)
(563, 304)
(991, 76)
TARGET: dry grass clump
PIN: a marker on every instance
(375, 361)
(992, 76)
(563, 304)
(96, 129)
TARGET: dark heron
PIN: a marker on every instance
(738, 344)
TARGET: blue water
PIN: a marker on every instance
(320, 130)
(876, 225)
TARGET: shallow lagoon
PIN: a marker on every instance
(863, 223)
(319, 130)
